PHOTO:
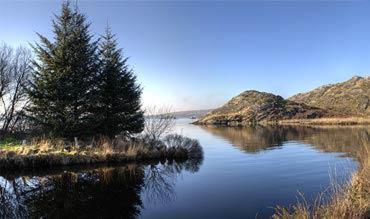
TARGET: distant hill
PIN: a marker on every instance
(191, 113)
(351, 97)
(259, 107)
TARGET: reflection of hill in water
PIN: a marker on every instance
(328, 139)
(105, 192)
(335, 139)
(249, 139)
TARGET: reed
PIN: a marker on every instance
(328, 121)
(58, 152)
(351, 200)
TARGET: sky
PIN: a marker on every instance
(198, 54)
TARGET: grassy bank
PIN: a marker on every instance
(327, 121)
(53, 152)
(346, 201)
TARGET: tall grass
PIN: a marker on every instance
(351, 200)
(56, 152)
(328, 121)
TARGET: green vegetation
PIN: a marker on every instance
(117, 103)
(63, 77)
(80, 88)
(10, 144)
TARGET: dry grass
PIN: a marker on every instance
(328, 121)
(56, 152)
(347, 201)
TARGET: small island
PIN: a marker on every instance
(346, 103)
(75, 100)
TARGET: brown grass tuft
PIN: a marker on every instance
(56, 152)
(328, 121)
(347, 201)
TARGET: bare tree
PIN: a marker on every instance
(158, 122)
(15, 69)
(5, 68)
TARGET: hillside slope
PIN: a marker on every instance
(259, 107)
(351, 97)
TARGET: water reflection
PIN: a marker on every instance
(161, 179)
(232, 184)
(92, 192)
(329, 139)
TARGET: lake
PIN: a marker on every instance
(245, 173)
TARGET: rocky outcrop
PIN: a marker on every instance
(351, 97)
(259, 107)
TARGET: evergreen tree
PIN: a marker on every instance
(118, 108)
(61, 89)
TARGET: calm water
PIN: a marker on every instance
(244, 174)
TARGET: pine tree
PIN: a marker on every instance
(64, 72)
(118, 108)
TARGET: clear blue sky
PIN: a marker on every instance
(196, 55)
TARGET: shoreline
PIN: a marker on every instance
(325, 121)
(351, 200)
(40, 171)
(37, 161)
(342, 121)
(53, 153)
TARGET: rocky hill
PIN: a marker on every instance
(351, 97)
(259, 107)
